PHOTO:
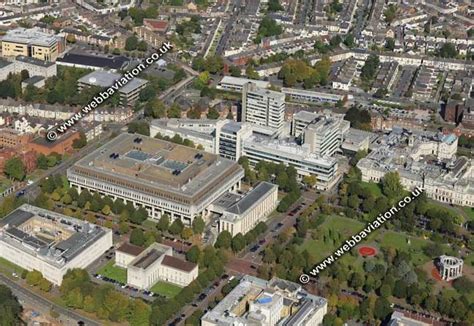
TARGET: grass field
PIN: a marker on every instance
(166, 289)
(469, 212)
(116, 273)
(399, 241)
(7, 268)
(374, 188)
(347, 227)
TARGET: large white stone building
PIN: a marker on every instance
(156, 263)
(253, 208)
(51, 243)
(160, 176)
(268, 303)
(263, 107)
(426, 160)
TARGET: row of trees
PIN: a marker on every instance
(78, 292)
(296, 71)
(268, 27)
(16, 169)
(359, 118)
(10, 309)
(35, 278)
(239, 241)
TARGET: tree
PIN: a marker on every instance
(106, 210)
(123, 227)
(163, 223)
(131, 43)
(370, 67)
(139, 127)
(193, 254)
(45, 285)
(155, 108)
(224, 240)
(34, 277)
(274, 5)
(390, 13)
(382, 308)
(176, 227)
(198, 225)
(137, 237)
(139, 215)
(463, 285)
(42, 162)
(238, 242)
(10, 308)
(139, 313)
(212, 114)
(66, 199)
(15, 169)
(268, 27)
(80, 142)
(349, 41)
(84, 197)
(390, 44)
(186, 233)
(391, 186)
(447, 50)
(174, 111)
(235, 71)
(142, 46)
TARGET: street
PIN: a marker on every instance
(68, 316)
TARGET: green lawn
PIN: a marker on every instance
(469, 212)
(346, 227)
(116, 273)
(374, 188)
(166, 289)
(4, 184)
(7, 267)
(399, 241)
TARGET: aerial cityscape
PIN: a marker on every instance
(237, 162)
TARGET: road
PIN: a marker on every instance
(246, 259)
(31, 297)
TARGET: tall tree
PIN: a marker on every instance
(15, 169)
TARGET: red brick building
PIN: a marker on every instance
(61, 146)
(28, 158)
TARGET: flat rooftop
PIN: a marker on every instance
(240, 82)
(106, 79)
(251, 198)
(31, 36)
(50, 236)
(150, 255)
(157, 167)
(113, 62)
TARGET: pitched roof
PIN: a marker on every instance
(130, 249)
(178, 263)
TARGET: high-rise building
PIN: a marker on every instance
(263, 107)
